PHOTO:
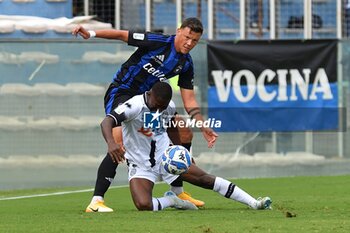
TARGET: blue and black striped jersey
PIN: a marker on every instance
(155, 59)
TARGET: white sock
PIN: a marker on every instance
(229, 190)
(161, 203)
(177, 190)
(97, 198)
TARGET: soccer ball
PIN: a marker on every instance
(176, 160)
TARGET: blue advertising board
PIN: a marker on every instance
(284, 85)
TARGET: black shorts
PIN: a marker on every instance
(116, 96)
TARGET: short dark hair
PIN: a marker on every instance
(162, 91)
(194, 24)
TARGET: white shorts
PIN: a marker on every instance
(156, 173)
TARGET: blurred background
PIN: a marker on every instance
(52, 85)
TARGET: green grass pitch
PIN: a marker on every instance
(300, 204)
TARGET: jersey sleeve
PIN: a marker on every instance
(126, 111)
(187, 75)
(147, 39)
(171, 109)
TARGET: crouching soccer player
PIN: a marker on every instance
(144, 149)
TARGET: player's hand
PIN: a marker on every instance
(116, 151)
(80, 30)
(210, 136)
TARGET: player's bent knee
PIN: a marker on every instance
(144, 205)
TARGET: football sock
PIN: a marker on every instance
(229, 190)
(187, 146)
(105, 175)
(96, 198)
(177, 183)
(177, 190)
(161, 203)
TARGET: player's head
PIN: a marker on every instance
(194, 24)
(159, 96)
(188, 35)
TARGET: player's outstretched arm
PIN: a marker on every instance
(116, 151)
(106, 33)
(192, 108)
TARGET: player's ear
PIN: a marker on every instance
(148, 95)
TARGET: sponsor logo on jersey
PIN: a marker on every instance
(151, 70)
(146, 132)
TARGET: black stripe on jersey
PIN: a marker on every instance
(230, 190)
(152, 152)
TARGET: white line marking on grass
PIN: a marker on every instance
(56, 193)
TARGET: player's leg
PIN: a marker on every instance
(107, 169)
(141, 185)
(198, 177)
(185, 140)
(141, 193)
(105, 175)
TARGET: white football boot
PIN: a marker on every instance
(263, 203)
(180, 204)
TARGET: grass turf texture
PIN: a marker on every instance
(300, 204)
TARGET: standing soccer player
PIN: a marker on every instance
(158, 57)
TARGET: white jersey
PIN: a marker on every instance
(144, 145)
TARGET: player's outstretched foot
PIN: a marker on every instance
(263, 203)
(187, 197)
(180, 204)
(98, 206)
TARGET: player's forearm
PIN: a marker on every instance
(193, 110)
(113, 34)
(107, 129)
